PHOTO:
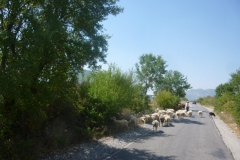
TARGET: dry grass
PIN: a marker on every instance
(229, 121)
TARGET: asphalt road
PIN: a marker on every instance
(190, 138)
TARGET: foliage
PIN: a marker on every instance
(113, 91)
(223, 88)
(207, 101)
(166, 99)
(44, 44)
(175, 83)
(150, 71)
(184, 99)
(227, 97)
(235, 82)
(224, 103)
(152, 74)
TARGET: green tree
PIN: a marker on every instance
(150, 71)
(175, 83)
(166, 99)
(44, 44)
(228, 96)
(223, 88)
(235, 82)
(113, 91)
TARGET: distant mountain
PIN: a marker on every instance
(194, 94)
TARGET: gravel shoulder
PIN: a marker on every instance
(107, 146)
(228, 136)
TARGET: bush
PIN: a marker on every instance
(207, 101)
(111, 91)
(166, 99)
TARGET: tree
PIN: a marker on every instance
(44, 44)
(235, 82)
(228, 96)
(114, 92)
(166, 99)
(150, 71)
(175, 83)
(232, 86)
(223, 88)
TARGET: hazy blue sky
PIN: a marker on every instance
(199, 38)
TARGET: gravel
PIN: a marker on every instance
(107, 146)
(100, 149)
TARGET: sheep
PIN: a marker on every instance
(147, 118)
(178, 114)
(200, 113)
(133, 121)
(162, 112)
(173, 116)
(184, 113)
(120, 123)
(143, 119)
(181, 106)
(155, 124)
(189, 113)
(170, 110)
(161, 120)
(181, 113)
(155, 116)
(166, 120)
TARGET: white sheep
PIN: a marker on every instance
(173, 116)
(200, 113)
(162, 112)
(155, 116)
(143, 119)
(181, 113)
(184, 113)
(133, 120)
(170, 110)
(120, 123)
(166, 120)
(155, 124)
(161, 120)
(189, 113)
(178, 114)
(147, 118)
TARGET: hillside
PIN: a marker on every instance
(194, 94)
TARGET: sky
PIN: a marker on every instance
(199, 38)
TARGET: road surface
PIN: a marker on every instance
(190, 138)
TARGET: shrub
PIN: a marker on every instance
(166, 99)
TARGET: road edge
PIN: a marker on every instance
(228, 136)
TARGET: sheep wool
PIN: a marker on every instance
(120, 123)
(155, 124)
(200, 113)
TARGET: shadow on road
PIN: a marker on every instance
(189, 121)
(136, 154)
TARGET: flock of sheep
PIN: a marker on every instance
(158, 118)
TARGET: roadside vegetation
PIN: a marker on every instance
(43, 104)
(226, 102)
